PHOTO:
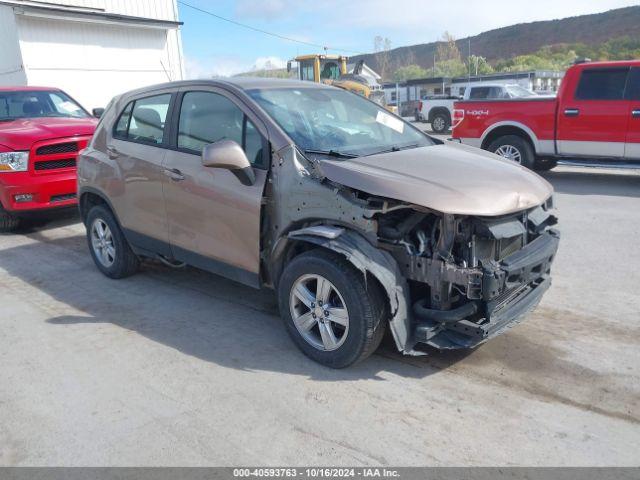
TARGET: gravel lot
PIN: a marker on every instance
(179, 367)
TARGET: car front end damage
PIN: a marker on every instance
(452, 280)
(470, 278)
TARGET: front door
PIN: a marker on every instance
(214, 220)
(138, 147)
(632, 147)
(592, 121)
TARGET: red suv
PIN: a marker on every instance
(41, 132)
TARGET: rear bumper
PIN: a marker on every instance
(47, 191)
(511, 289)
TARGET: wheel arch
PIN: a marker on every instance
(90, 197)
(374, 264)
(509, 128)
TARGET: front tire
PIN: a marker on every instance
(514, 148)
(108, 246)
(8, 222)
(330, 312)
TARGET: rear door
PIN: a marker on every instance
(632, 146)
(138, 146)
(592, 120)
(214, 220)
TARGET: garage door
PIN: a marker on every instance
(92, 61)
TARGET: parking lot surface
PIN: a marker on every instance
(180, 367)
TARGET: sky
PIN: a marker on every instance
(213, 47)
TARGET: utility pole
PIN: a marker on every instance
(469, 61)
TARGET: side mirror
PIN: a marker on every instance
(97, 112)
(229, 155)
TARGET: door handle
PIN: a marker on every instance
(635, 113)
(112, 152)
(174, 174)
(572, 112)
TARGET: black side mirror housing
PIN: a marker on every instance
(97, 112)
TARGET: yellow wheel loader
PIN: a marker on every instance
(332, 70)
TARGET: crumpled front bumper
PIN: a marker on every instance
(511, 288)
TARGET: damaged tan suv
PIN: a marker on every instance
(357, 219)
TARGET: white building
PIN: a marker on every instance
(92, 49)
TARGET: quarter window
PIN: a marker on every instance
(207, 117)
(123, 122)
(144, 120)
(602, 84)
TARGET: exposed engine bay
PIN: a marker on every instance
(468, 276)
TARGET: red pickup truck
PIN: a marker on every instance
(594, 119)
(41, 132)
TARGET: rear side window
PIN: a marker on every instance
(144, 120)
(479, 93)
(602, 84)
(633, 85)
(207, 117)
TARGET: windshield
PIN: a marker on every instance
(516, 91)
(337, 122)
(37, 103)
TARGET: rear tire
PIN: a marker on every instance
(514, 148)
(8, 222)
(545, 164)
(440, 123)
(362, 303)
(108, 246)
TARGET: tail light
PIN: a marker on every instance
(420, 106)
(458, 116)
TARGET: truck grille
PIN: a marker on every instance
(58, 148)
(55, 164)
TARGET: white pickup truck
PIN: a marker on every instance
(438, 110)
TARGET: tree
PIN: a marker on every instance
(448, 60)
(479, 65)
(409, 72)
(448, 49)
(381, 47)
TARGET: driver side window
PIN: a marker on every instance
(207, 117)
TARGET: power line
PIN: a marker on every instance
(259, 30)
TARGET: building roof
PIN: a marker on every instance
(66, 12)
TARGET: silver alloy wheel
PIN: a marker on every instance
(319, 312)
(510, 153)
(438, 124)
(102, 243)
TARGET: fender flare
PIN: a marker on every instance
(532, 136)
(97, 193)
(369, 259)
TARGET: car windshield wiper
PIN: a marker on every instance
(395, 148)
(331, 153)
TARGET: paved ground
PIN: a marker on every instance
(184, 368)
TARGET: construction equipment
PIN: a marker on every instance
(332, 70)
